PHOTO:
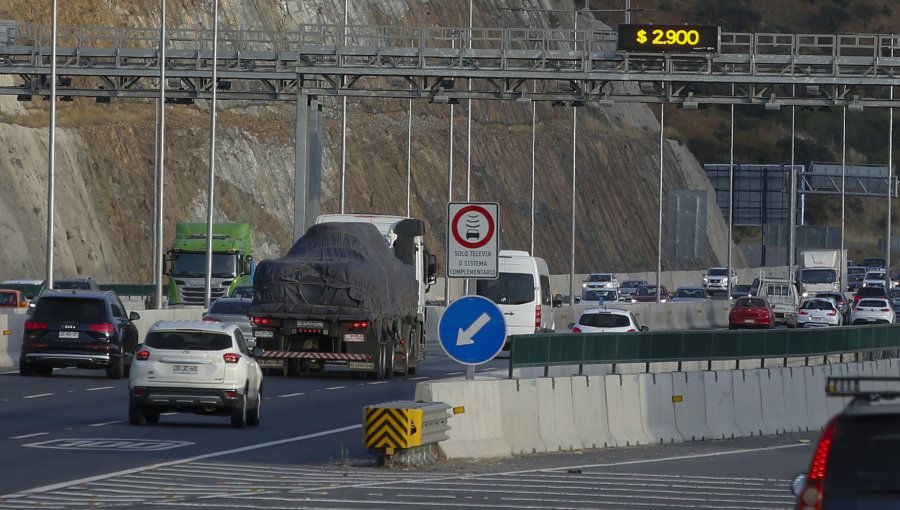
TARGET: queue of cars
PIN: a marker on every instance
(202, 366)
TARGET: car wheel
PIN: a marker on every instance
(239, 413)
(255, 413)
(43, 370)
(136, 414)
(25, 370)
(732, 326)
(151, 415)
(116, 369)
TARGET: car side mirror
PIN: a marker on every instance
(645, 328)
(557, 301)
(570, 325)
(133, 316)
(797, 484)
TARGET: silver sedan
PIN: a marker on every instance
(232, 310)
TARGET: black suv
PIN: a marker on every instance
(79, 328)
(855, 463)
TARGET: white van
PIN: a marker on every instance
(522, 293)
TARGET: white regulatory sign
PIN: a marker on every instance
(472, 240)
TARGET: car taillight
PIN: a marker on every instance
(210, 319)
(265, 321)
(576, 329)
(803, 312)
(632, 330)
(137, 391)
(231, 357)
(832, 313)
(885, 309)
(105, 328)
(537, 317)
(35, 325)
(811, 495)
(142, 355)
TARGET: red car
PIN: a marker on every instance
(751, 312)
(647, 294)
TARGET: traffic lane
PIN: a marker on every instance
(67, 433)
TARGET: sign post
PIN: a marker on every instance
(472, 240)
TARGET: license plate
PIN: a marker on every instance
(311, 324)
(184, 369)
(749, 321)
(68, 334)
(269, 363)
(264, 333)
(360, 365)
(354, 337)
(817, 319)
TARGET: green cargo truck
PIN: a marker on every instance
(232, 261)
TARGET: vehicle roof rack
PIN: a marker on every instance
(863, 388)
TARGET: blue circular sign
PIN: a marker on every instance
(472, 330)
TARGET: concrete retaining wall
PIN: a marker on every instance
(521, 416)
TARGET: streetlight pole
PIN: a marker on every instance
(212, 159)
(160, 162)
(51, 171)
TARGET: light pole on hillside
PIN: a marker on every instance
(160, 164)
(51, 172)
(212, 159)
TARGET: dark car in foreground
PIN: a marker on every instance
(78, 328)
(854, 465)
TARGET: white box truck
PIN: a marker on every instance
(821, 271)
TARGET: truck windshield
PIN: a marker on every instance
(818, 276)
(193, 265)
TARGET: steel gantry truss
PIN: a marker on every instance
(571, 66)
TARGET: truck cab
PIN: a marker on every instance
(185, 264)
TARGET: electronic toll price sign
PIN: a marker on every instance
(669, 38)
(473, 231)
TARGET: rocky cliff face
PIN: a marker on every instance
(105, 159)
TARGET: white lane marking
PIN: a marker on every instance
(290, 395)
(335, 388)
(39, 395)
(63, 485)
(26, 436)
(455, 373)
(564, 468)
(379, 382)
(104, 423)
(100, 388)
(172, 413)
(418, 378)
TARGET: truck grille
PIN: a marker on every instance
(195, 295)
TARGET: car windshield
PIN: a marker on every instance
(72, 285)
(188, 340)
(750, 303)
(8, 299)
(862, 462)
(75, 308)
(718, 271)
(874, 276)
(604, 320)
(632, 283)
(870, 291)
(599, 278)
(691, 293)
(193, 265)
(818, 276)
(856, 270)
(596, 294)
(230, 307)
(508, 289)
(646, 291)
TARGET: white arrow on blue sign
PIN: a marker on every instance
(472, 330)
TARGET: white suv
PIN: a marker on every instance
(600, 281)
(195, 366)
(716, 278)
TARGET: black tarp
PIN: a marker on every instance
(336, 271)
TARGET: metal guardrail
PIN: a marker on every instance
(122, 289)
(652, 347)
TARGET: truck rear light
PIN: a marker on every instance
(105, 328)
(35, 325)
(265, 321)
(359, 325)
(142, 355)
(537, 317)
(231, 357)
(231, 393)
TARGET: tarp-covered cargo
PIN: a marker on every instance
(336, 271)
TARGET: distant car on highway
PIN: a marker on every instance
(607, 320)
(690, 294)
(854, 281)
(10, 298)
(874, 279)
(874, 263)
(629, 287)
(232, 310)
(600, 280)
(841, 301)
(717, 279)
(751, 312)
(869, 292)
(873, 311)
(592, 295)
(742, 290)
(819, 311)
(647, 294)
